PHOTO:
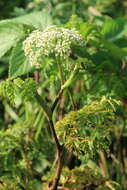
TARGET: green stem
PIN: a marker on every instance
(71, 98)
(71, 78)
(60, 71)
(56, 100)
(64, 85)
(49, 118)
(44, 106)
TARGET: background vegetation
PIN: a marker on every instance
(27, 150)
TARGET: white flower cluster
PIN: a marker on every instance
(54, 41)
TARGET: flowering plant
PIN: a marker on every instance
(82, 133)
(53, 41)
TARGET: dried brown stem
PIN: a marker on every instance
(37, 76)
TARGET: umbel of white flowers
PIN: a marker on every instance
(53, 41)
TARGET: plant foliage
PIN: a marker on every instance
(63, 95)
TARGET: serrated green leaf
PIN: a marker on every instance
(39, 20)
(10, 34)
(114, 29)
(18, 64)
(114, 50)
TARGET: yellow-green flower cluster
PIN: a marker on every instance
(53, 41)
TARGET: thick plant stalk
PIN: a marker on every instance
(59, 158)
(48, 114)
(56, 100)
(58, 173)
